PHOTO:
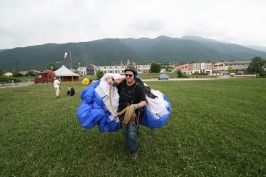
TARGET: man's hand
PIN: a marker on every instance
(113, 83)
(136, 106)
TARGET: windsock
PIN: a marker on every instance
(65, 56)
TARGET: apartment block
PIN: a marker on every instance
(195, 68)
(237, 67)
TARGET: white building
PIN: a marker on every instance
(119, 69)
(82, 71)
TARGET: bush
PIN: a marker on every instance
(5, 79)
(99, 74)
(179, 73)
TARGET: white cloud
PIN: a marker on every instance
(30, 22)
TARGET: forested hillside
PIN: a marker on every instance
(111, 51)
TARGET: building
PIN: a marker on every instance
(112, 69)
(88, 70)
(237, 67)
(81, 71)
(8, 74)
(195, 68)
(185, 69)
(91, 69)
(118, 69)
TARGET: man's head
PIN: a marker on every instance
(130, 73)
(132, 69)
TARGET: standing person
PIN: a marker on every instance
(130, 93)
(57, 87)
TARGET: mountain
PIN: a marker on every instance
(256, 47)
(199, 39)
(162, 49)
(230, 50)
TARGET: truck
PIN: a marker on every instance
(44, 76)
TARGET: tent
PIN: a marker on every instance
(66, 75)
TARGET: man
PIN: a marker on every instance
(130, 93)
(57, 87)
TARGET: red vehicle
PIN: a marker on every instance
(44, 76)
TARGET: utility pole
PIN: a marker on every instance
(79, 68)
(70, 59)
(17, 71)
(71, 66)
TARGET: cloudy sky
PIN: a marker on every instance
(35, 22)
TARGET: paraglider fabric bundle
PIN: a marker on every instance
(86, 81)
(95, 108)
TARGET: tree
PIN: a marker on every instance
(229, 69)
(52, 67)
(257, 66)
(179, 73)
(31, 73)
(15, 74)
(155, 68)
(1, 72)
(99, 74)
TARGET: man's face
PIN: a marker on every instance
(129, 76)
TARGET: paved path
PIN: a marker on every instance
(21, 84)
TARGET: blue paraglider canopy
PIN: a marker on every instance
(97, 107)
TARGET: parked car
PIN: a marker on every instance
(163, 77)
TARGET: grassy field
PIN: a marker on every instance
(217, 128)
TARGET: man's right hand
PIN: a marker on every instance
(113, 83)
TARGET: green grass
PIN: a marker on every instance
(217, 128)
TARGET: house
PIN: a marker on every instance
(185, 69)
(8, 74)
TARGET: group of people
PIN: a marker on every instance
(70, 90)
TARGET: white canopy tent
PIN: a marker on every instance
(66, 75)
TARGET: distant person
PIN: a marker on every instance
(70, 91)
(57, 87)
